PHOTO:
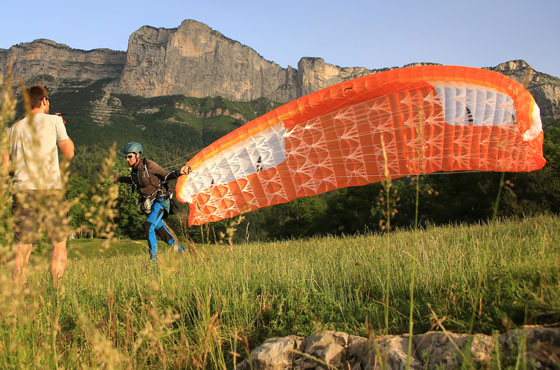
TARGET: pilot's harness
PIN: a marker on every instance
(144, 203)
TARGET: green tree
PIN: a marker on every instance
(349, 210)
(539, 191)
(78, 187)
(130, 220)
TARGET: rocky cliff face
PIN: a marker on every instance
(314, 74)
(194, 60)
(544, 88)
(57, 65)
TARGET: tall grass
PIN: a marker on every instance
(192, 313)
(7, 114)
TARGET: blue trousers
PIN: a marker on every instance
(154, 224)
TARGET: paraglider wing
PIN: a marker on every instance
(401, 122)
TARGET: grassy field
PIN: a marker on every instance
(117, 310)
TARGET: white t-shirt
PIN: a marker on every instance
(34, 152)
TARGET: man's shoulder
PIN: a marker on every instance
(49, 117)
(149, 162)
(19, 123)
(21, 127)
(39, 117)
(153, 166)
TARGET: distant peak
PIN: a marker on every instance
(46, 41)
(192, 22)
(192, 25)
(513, 65)
(43, 41)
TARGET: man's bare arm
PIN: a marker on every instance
(67, 148)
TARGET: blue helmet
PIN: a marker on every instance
(132, 147)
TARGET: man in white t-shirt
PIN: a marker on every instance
(37, 208)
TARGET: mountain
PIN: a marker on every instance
(194, 60)
(544, 88)
(59, 66)
(197, 61)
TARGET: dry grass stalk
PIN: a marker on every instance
(231, 229)
(7, 115)
(155, 329)
(188, 241)
(104, 355)
(102, 213)
(388, 198)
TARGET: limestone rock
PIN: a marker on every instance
(274, 354)
(432, 350)
(447, 349)
(542, 345)
(544, 88)
(314, 74)
(395, 349)
(194, 60)
(55, 65)
(324, 348)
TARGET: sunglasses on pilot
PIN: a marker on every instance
(128, 156)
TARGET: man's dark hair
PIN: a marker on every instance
(36, 94)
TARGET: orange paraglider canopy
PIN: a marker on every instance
(401, 122)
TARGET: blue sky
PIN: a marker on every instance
(364, 33)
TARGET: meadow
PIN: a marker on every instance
(209, 307)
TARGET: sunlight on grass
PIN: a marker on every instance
(189, 312)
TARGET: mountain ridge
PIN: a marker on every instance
(198, 61)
